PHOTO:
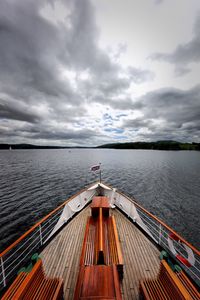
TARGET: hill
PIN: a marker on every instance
(159, 145)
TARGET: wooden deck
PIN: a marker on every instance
(61, 257)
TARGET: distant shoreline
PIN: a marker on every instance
(159, 145)
(30, 147)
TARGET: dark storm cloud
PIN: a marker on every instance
(80, 49)
(19, 112)
(64, 135)
(28, 52)
(173, 105)
(37, 132)
(169, 113)
(184, 54)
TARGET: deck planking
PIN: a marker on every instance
(62, 255)
(141, 257)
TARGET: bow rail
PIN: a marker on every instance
(19, 253)
(184, 254)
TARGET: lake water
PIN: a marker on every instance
(34, 182)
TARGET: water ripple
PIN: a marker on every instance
(34, 182)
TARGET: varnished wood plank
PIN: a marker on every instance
(61, 257)
(98, 282)
(166, 286)
(116, 238)
(189, 285)
(100, 230)
(100, 202)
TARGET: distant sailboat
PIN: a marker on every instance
(10, 148)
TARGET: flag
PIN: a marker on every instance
(95, 168)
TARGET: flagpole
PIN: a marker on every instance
(100, 173)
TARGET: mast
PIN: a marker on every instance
(100, 172)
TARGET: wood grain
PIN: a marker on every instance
(61, 257)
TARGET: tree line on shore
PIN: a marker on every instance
(159, 145)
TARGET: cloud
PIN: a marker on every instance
(50, 67)
(173, 105)
(115, 130)
(140, 76)
(168, 114)
(181, 71)
(64, 135)
(28, 47)
(137, 123)
(117, 102)
(56, 82)
(121, 49)
(184, 54)
(54, 135)
(20, 112)
(158, 1)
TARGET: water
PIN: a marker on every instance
(34, 182)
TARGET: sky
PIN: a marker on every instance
(91, 72)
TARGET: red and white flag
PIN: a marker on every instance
(95, 168)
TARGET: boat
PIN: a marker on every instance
(151, 254)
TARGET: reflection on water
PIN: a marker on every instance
(34, 182)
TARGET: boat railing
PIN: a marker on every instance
(182, 252)
(19, 253)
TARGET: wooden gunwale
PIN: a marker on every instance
(43, 219)
(119, 256)
(157, 219)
